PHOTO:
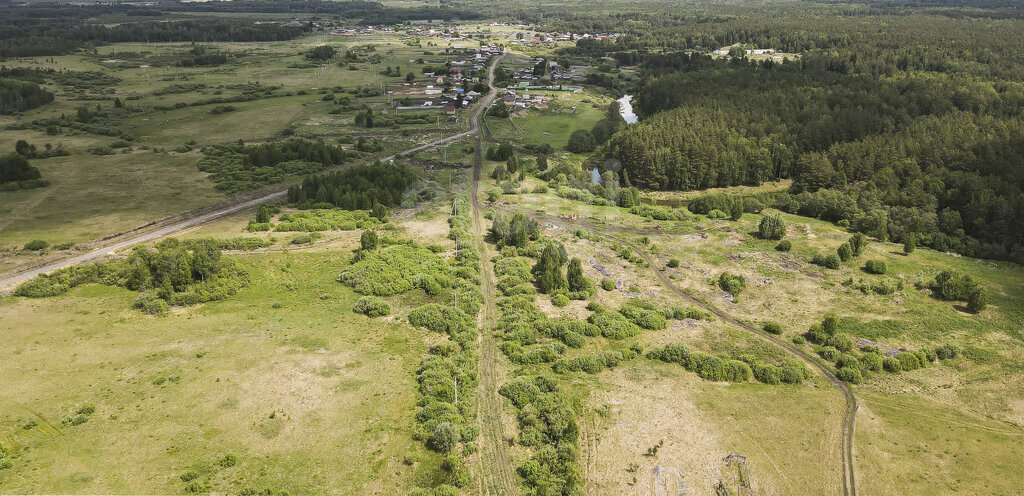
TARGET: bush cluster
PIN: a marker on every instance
(741, 369)
(644, 315)
(179, 273)
(397, 269)
(875, 266)
(323, 220)
(952, 285)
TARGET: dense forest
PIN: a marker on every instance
(892, 120)
(356, 188)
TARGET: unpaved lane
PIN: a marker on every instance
(497, 476)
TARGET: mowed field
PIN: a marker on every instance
(962, 415)
(309, 397)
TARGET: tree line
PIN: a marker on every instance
(357, 188)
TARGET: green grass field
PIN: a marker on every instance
(310, 397)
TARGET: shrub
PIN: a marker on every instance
(871, 361)
(976, 301)
(798, 339)
(673, 263)
(891, 364)
(828, 261)
(36, 245)
(368, 240)
(947, 351)
(784, 245)
(680, 313)
(717, 214)
(847, 360)
(229, 460)
(371, 306)
(440, 318)
(850, 375)
(560, 300)
(840, 342)
(772, 227)
(952, 285)
(908, 361)
(394, 270)
(303, 239)
(520, 390)
(875, 266)
(707, 203)
(772, 328)
(828, 353)
(768, 374)
(614, 325)
(844, 252)
(858, 243)
(732, 283)
(607, 284)
(909, 243)
(445, 436)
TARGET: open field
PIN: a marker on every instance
(310, 397)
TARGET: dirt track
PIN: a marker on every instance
(496, 472)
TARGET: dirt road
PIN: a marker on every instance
(496, 474)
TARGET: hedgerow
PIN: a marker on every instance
(593, 364)
(706, 366)
(441, 423)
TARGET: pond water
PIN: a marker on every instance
(626, 109)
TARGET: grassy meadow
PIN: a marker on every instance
(309, 397)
